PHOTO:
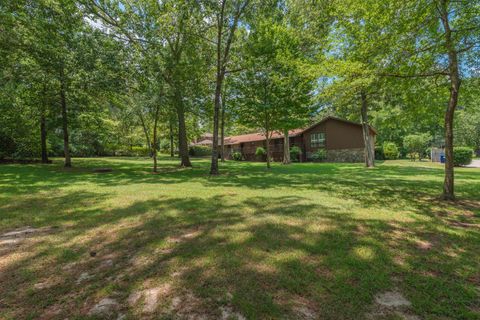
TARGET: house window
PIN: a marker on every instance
(317, 140)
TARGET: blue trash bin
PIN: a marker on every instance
(442, 159)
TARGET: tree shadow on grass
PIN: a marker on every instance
(263, 257)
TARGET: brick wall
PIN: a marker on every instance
(346, 155)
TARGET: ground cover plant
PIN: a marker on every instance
(304, 241)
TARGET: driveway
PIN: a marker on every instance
(475, 164)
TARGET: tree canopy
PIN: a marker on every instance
(87, 77)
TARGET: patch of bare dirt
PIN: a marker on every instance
(184, 237)
(189, 307)
(12, 240)
(424, 245)
(301, 307)
(105, 308)
(391, 303)
(150, 298)
(229, 314)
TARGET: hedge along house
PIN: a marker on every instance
(342, 140)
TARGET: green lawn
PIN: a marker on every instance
(305, 241)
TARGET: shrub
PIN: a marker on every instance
(390, 150)
(134, 151)
(416, 144)
(462, 156)
(165, 146)
(379, 155)
(7, 146)
(237, 156)
(140, 151)
(295, 153)
(200, 151)
(260, 152)
(319, 155)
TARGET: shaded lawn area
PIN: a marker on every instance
(305, 241)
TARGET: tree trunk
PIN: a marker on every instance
(222, 131)
(63, 104)
(154, 143)
(182, 133)
(172, 151)
(286, 148)
(369, 151)
(216, 111)
(448, 185)
(222, 59)
(43, 137)
(268, 149)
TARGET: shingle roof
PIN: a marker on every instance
(251, 137)
(258, 137)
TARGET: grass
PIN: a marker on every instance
(305, 241)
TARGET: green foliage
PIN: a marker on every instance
(200, 151)
(319, 156)
(237, 156)
(134, 151)
(7, 146)
(390, 150)
(260, 152)
(462, 156)
(379, 155)
(295, 153)
(274, 91)
(415, 144)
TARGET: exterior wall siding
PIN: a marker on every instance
(343, 143)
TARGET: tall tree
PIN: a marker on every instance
(166, 35)
(441, 39)
(274, 89)
(359, 48)
(227, 17)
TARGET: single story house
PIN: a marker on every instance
(342, 140)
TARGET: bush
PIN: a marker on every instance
(295, 153)
(7, 146)
(237, 156)
(134, 151)
(462, 156)
(319, 155)
(165, 146)
(140, 151)
(200, 151)
(260, 152)
(416, 145)
(379, 155)
(390, 150)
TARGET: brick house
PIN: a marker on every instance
(342, 139)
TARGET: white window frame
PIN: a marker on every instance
(317, 140)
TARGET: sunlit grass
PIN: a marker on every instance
(300, 241)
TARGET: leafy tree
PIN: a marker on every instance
(227, 15)
(416, 145)
(273, 94)
(357, 58)
(170, 46)
(390, 150)
(439, 39)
